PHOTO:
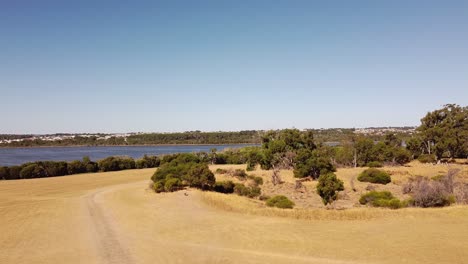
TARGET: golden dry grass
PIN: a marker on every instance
(114, 218)
(308, 199)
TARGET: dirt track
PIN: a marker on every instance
(112, 218)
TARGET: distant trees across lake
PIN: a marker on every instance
(333, 135)
(193, 137)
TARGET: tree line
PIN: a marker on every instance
(42, 169)
(190, 137)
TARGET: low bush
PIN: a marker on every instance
(187, 173)
(280, 201)
(427, 158)
(224, 187)
(221, 171)
(402, 156)
(172, 184)
(243, 190)
(4, 173)
(430, 193)
(14, 172)
(240, 173)
(374, 164)
(256, 179)
(381, 199)
(116, 164)
(158, 186)
(328, 187)
(373, 175)
(32, 171)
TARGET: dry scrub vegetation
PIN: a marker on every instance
(307, 201)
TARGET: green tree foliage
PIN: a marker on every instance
(4, 173)
(224, 187)
(328, 187)
(364, 151)
(41, 169)
(147, 162)
(14, 172)
(32, 171)
(444, 132)
(311, 163)
(415, 146)
(373, 175)
(280, 201)
(188, 172)
(116, 163)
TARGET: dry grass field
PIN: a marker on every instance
(114, 218)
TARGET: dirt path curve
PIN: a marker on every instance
(104, 231)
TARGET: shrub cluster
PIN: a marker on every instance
(256, 179)
(224, 187)
(328, 187)
(374, 164)
(221, 171)
(239, 173)
(280, 201)
(251, 192)
(181, 171)
(381, 199)
(427, 158)
(430, 193)
(373, 175)
(42, 169)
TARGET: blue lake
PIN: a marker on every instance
(17, 156)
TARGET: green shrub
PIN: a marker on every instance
(280, 201)
(115, 164)
(32, 171)
(14, 172)
(4, 173)
(172, 184)
(224, 187)
(158, 186)
(239, 173)
(381, 199)
(427, 158)
(75, 167)
(312, 163)
(374, 164)
(402, 156)
(374, 176)
(258, 180)
(196, 175)
(221, 171)
(328, 187)
(243, 190)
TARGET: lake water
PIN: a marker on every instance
(17, 156)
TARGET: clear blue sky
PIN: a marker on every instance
(118, 66)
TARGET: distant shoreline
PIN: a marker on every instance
(133, 145)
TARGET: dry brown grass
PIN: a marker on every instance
(113, 218)
(255, 207)
(307, 198)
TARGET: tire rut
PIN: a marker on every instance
(109, 247)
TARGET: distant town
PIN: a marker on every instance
(9, 138)
(59, 137)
